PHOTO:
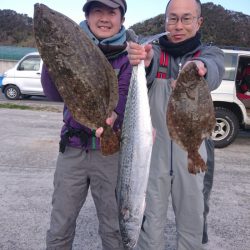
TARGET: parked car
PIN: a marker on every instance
(1, 79)
(24, 79)
(232, 107)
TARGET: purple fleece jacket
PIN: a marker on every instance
(123, 68)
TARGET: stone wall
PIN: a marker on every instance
(6, 64)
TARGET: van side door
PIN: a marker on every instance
(28, 75)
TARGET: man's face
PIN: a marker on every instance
(182, 20)
(103, 21)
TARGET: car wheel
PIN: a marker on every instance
(12, 92)
(226, 129)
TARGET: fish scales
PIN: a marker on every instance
(190, 115)
(82, 74)
(134, 158)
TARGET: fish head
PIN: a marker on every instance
(187, 80)
(50, 30)
(129, 230)
(43, 23)
(129, 238)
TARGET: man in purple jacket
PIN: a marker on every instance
(80, 164)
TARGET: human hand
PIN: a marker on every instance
(202, 70)
(137, 52)
(172, 83)
(109, 121)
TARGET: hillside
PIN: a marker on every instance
(16, 29)
(221, 27)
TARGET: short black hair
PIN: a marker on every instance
(198, 4)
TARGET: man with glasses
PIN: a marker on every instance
(168, 173)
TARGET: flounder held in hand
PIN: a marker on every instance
(190, 115)
(82, 74)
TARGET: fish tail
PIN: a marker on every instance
(110, 141)
(195, 162)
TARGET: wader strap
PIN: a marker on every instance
(93, 139)
(164, 62)
(163, 68)
(71, 132)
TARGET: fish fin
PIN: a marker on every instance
(142, 224)
(195, 162)
(116, 195)
(110, 141)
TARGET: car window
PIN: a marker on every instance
(230, 66)
(30, 64)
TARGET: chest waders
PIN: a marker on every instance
(162, 74)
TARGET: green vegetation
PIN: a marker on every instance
(37, 107)
(14, 106)
(221, 27)
(16, 29)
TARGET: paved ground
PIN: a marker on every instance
(29, 145)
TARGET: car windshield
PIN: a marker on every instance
(30, 63)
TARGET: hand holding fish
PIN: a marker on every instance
(137, 52)
(109, 121)
(202, 70)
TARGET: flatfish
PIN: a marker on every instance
(134, 158)
(82, 74)
(190, 115)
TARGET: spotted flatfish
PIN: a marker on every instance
(82, 74)
(190, 115)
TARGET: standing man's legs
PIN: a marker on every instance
(188, 205)
(103, 179)
(157, 198)
(70, 191)
(208, 183)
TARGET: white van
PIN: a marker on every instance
(232, 110)
(24, 79)
(232, 107)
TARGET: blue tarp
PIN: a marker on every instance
(14, 53)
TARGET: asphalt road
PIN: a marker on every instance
(29, 147)
(37, 100)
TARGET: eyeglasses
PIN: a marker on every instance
(185, 19)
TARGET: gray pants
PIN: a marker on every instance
(76, 172)
(187, 200)
(169, 176)
(208, 183)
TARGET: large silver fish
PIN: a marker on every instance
(82, 74)
(135, 157)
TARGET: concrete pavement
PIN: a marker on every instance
(28, 152)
